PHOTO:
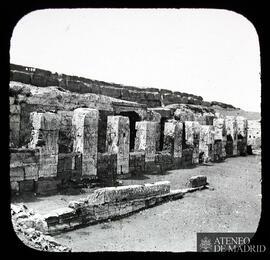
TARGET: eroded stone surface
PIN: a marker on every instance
(206, 145)
(85, 125)
(146, 139)
(173, 137)
(196, 181)
(45, 133)
(117, 141)
(254, 134)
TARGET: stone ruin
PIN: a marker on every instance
(58, 136)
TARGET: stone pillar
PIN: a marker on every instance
(14, 123)
(146, 139)
(192, 138)
(85, 129)
(254, 134)
(231, 130)
(206, 145)
(220, 137)
(117, 141)
(173, 134)
(241, 135)
(44, 135)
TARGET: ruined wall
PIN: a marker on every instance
(23, 169)
(70, 131)
(152, 97)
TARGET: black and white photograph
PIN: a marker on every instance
(135, 130)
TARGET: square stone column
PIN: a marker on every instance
(231, 130)
(241, 135)
(118, 141)
(220, 136)
(173, 134)
(45, 133)
(85, 129)
(192, 138)
(206, 145)
(254, 134)
(146, 139)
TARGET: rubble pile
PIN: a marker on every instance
(29, 227)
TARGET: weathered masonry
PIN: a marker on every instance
(58, 136)
(253, 135)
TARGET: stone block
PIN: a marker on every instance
(127, 193)
(197, 181)
(101, 212)
(146, 139)
(21, 77)
(126, 208)
(31, 172)
(26, 156)
(117, 141)
(150, 202)
(77, 204)
(16, 174)
(14, 186)
(51, 218)
(85, 125)
(39, 80)
(65, 213)
(114, 209)
(27, 186)
(220, 129)
(47, 186)
(138, 205)
(15, 109)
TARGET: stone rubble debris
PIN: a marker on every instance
(31, 227)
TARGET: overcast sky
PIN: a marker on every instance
(211, 53)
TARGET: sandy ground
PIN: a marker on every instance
(234, 205)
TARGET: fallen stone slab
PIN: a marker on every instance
(126, 193)
(106, 204)
(196, 181)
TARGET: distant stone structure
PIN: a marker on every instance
(254, 135)
(69, 129)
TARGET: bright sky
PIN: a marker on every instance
(212, 53)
